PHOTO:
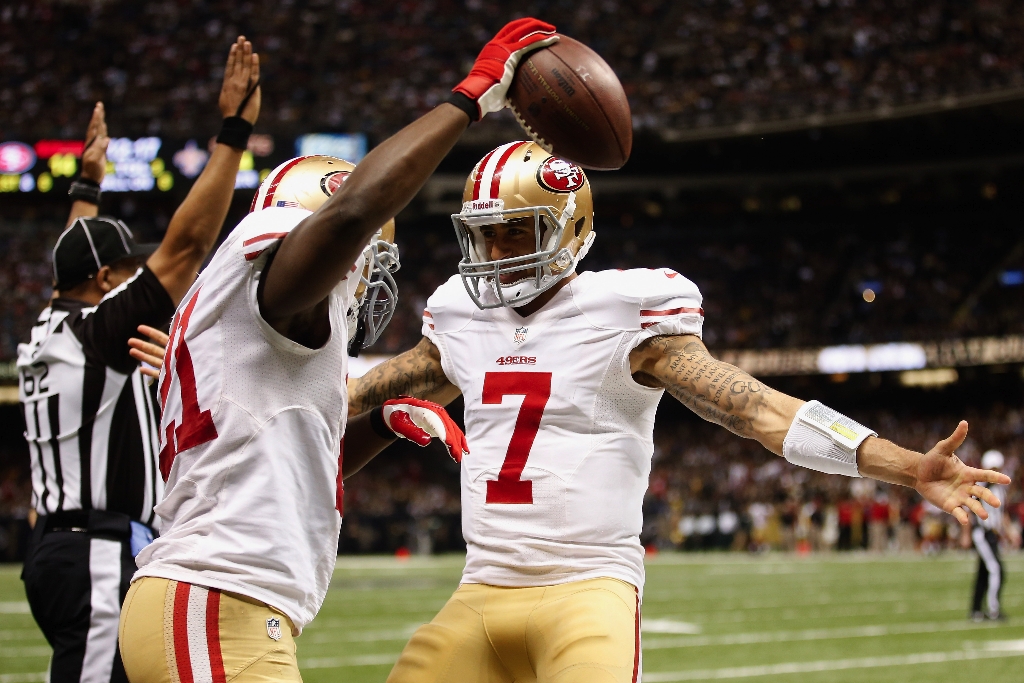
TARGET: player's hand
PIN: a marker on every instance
(419, 421)
(240, 93)
(150, 354)
(951, 485)
(488, 81)
(94, 156)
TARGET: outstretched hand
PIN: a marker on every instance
(94, 156)
(240, 93)
(151, 355)
(945, 481)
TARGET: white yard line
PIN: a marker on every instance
(30, 632)
(15, 607)
(787, 668)
(26, 652)
(873, 631)
(25, 678)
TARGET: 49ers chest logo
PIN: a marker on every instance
(332, 181)
(558, 175)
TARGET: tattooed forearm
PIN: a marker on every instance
(416, 372)
(718, 392)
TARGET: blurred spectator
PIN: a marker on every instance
(357, 65)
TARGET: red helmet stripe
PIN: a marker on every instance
(480, 173)
(496, 176)
(272, 188)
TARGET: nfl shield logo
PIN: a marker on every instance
(520, 336)
(274, 628)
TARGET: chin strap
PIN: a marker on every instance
(568, 211)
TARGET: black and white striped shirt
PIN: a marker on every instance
(91, 418)
(995, 514)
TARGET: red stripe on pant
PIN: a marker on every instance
(181, 655)
(636, 652)
(213, 636)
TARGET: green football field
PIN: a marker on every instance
(706, 617)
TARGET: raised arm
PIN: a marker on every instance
(317, 254)
(417, 372)
(94, 165)
(196, 224)
(724, 394)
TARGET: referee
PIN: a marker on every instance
(986, 534)
(91, 419)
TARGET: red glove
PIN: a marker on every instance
(419, 421)
(488, 81)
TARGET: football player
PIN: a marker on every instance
(254, 403)
(561, 373)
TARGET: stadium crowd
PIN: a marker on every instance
(354, 65)
(759, 291)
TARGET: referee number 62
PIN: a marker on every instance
(34, 380)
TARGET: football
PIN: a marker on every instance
(571, 103)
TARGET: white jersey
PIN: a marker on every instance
(561, 436)
(250, 436)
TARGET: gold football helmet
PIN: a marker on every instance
(306, 183)
(521, 180)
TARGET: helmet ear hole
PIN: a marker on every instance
(579, 226)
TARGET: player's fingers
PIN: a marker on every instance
(146, 347)
(149, 372)
(403, 426)
(960, 516)
(985, 495)
(159, 336)
(94, 123)
(152, 361)
(954, 440)
(254, 74)
(989, 476)
(975, 506)
(229, 66)
(431, 423)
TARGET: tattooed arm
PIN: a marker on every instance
(724, 394)
(718, 392)
(417, 372)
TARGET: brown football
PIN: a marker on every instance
(571, 103)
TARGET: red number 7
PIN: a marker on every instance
(535, 388)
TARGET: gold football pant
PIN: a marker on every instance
(579, 632)
(175, 632)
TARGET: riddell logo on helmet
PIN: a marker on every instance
(558, 175)
(332, 181)
(517, 360)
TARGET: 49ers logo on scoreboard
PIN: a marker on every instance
(558, 175)
(332, 181)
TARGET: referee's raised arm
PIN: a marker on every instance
(196, 224)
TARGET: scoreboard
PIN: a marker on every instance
(155, 164)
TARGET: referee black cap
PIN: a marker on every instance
(88, 244)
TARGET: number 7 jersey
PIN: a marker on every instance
(561, 436)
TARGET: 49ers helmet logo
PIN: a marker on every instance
(332, 181)
(558, 175)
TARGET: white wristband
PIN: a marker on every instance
(824, 440)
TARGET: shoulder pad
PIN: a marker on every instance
(637, 298)
(449, 308)
(262, 230)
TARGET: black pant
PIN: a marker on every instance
(75, 582)
(990, 578)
